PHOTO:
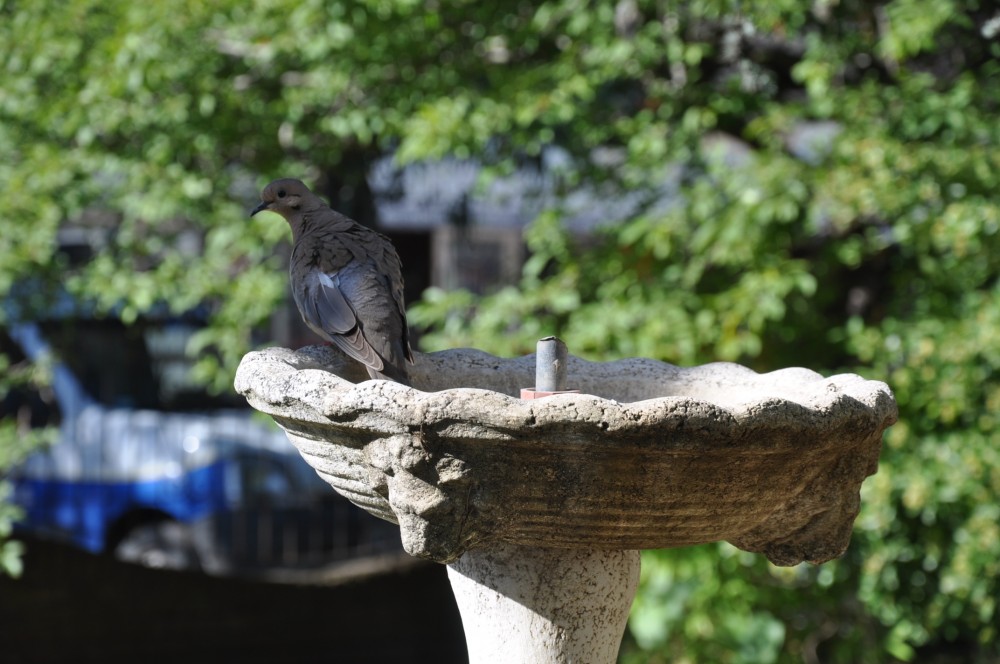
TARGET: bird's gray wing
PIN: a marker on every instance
(326, 309)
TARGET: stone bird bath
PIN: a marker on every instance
(540, 507)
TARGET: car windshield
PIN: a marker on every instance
(143, 365)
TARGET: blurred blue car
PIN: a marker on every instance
(150, 468)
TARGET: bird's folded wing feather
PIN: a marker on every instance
(326, 308)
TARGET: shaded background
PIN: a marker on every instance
(71, 606)
(775, 183)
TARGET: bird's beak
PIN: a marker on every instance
(263, 206)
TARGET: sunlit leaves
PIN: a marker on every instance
(910, 27)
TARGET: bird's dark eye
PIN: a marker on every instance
(281, 194)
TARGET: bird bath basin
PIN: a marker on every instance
(558, 494)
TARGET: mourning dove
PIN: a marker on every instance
(346, 280)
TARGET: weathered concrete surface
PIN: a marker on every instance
(530, 605)
(648, 456)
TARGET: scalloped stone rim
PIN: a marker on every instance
(650, 455)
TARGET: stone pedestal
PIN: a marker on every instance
(528, 605)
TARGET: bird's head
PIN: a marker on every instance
(287, 197)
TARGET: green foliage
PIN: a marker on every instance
(152, 126)
(11, 551)
(16, 442)
(746, 632)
